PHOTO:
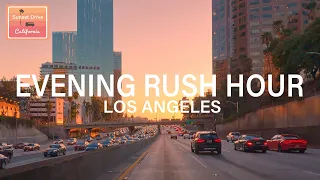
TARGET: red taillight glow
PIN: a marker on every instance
(265, 144)
(249, 143)
(217, 140)
(304, 142)
(200, 141)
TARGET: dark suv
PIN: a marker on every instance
(206, 141)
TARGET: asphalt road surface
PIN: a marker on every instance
(171, 159)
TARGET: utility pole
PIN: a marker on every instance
(15, 115)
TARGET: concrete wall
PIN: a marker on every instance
(299, 117)
(24, 134)
(83, 166)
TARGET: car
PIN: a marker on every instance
(55, 150)
(94, 146)
(187, 136)
(287, 142)
(251, 142)
(7, 151)
(233, 136)
(88, 139)
(136, 139)
(107, 143)
(98, 137)
(130, 140)
(3, 161)
(206, 141)
(20, 145)
(181, 133)
(31, 147)
(59, 141)
(174, 136)
(81, 146)
(72, 141)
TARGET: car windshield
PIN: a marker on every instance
(106, 142)
(290, 137)
(235, 134)
(93, 145)
(30, 144)
(250, 137)
(54, 146)
(208, 136)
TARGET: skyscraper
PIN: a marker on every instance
(95, 34)
(251, 18)
(63, 46)
(221, 39)
(117, 73)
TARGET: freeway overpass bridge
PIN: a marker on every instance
(204, 123)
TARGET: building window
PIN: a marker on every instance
(267, 22)
(254, 39)
(255, 54)
(254, 2)
(294, 12)
(279, 13)
(254, 46)
(254, 16)
(277, 7)
(266, 29)
(289, 5)
(255, 31)
(254, 9)
(256, 23)
(266, 1)
(266, 15)
(267, 8)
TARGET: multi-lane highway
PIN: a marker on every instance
(170, 159)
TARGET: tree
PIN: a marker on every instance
(311, 7)
(21, 11)
(49, 107)
(97, 108)
(266, 38)
(88, 109)
(70, 100)
(277, 27)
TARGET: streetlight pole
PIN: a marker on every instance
(235, 104)
(15, 115)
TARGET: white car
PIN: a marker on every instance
(233, 136)
(186, 136)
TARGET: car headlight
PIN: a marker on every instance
(55, 151)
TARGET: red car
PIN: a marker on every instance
(81, 146)
(287, 142)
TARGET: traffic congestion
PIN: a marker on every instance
(24, 153)
(181, 153)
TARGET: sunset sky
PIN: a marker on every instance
(155, 37)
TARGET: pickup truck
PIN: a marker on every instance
(6, 150)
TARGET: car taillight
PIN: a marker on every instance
(265, 144)
(249, 143)
(217, 140)
(232, 137)
(200, 141)
(304, 141)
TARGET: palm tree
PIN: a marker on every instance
(88, 109)
(311, 7)
(75, 96)
(278, 26)
(266, 38)
(21, 11)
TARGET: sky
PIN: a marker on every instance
(155, 37)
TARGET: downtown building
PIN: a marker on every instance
(222, 45)
(251, 18)
(117, 57)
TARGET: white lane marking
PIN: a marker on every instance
(192, 155)
(313, 173)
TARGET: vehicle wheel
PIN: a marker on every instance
(192, 150)
(243, 149)
(302, 151)
(219, 151)
(280, 148)
(24, 150)
(227, 140)
(9, 157)
(64, 153)
(196, 150)
(45, 155)
(264, 151)
(3, 165)
(235, 148)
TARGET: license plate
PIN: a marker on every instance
(257, 142)
(209, 141)
(297, 146)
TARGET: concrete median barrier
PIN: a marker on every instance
(88, 165)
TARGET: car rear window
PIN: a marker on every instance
(290, 137)
(250, 137)
(208, 136)
(235, 134)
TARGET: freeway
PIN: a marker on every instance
(170, 159)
